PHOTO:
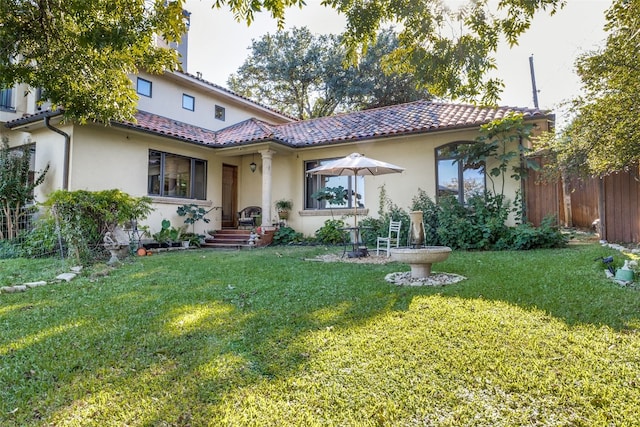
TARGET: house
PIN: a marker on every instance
(196, 142)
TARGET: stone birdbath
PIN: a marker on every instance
(118, 248)
(419, 257)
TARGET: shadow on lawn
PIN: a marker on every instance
(151, 333)
(165, 344)
(567, 284)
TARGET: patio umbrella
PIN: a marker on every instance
(355, 164)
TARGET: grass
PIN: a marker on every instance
(265, 338)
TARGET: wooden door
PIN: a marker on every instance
(229, 196)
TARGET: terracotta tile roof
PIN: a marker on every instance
(252, 130)
(153, 123)
(404, 119)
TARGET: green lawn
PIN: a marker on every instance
(265, 338)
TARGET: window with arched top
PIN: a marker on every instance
(456, 178)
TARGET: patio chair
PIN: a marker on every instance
(247, 216)
(385, 243)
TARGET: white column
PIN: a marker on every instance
(267, 156)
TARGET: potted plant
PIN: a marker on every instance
(190, 240)
(168, 236)
(283, 206)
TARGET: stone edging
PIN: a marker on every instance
(29, 285)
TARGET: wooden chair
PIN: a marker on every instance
(385, 243)
(247, 216)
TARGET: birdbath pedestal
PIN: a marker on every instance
(420, 259)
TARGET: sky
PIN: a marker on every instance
(218, 45)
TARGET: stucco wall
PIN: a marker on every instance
(166, 101)
(106, 158)
(49, 150)
(415, 153)
(111, 157)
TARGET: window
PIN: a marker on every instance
(219, 114)
(188, 102)
(170, 175)
(456, 179)
(39, 98)
(6, 99)
(143, 87)
(314, 183)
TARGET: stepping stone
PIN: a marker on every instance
(12, 289)
(66, 276)
(35, 284)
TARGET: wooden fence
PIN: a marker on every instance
(613, 200)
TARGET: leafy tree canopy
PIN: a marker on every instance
(80, 53)
(304, 75)
(449, 51)
(605, 135)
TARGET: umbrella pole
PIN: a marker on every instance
(355, 201)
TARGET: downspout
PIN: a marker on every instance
(67, 149)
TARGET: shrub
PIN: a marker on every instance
(488, 214)
(8, 249)
(16, 188)
(396, 213)
(85, 216)
(526, 236)
(454, 228)
(372, 228)
(41, 240)
(479, 225)
(331, 232)
(286, 235)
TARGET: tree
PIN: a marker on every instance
(81, 53)
(449, 51)
(16, 188)
(500, 150)
(285, 71)
(305, 76)
(381, 86)
(605, 134)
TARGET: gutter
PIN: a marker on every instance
(67, 149)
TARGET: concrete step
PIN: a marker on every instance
(233, 238)
(228, 238)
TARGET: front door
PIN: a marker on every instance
(229, 196)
